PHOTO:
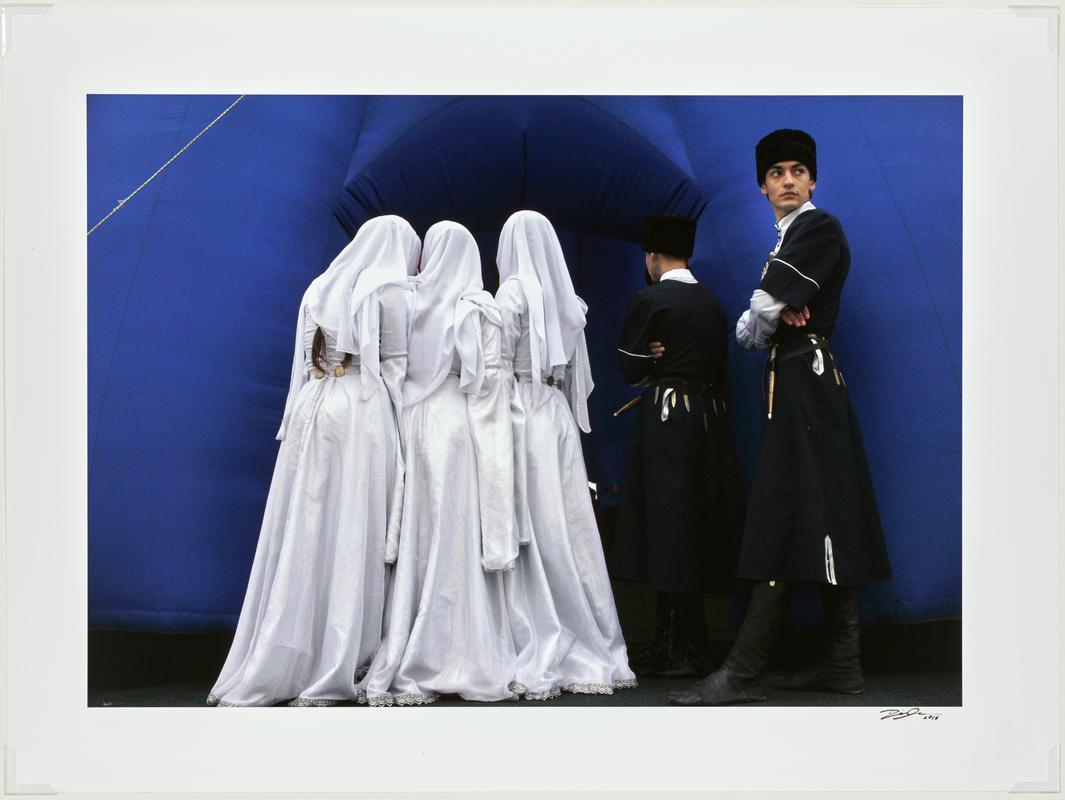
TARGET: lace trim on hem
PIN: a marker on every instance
(297, 702)
(404, 699)
(520, 690)
(600, 688)
(312, 702)
(589, 688)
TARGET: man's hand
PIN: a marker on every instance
(656, 350)
(795, 319)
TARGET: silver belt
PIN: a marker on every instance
(550, 380)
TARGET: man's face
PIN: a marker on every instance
(788, 186)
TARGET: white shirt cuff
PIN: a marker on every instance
(757, 325)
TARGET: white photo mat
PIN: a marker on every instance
(1002, 61)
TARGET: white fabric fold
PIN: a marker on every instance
(394, 306)
(529, 253)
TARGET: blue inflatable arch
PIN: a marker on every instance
(194, 283)
(477, 159)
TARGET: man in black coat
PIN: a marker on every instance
(681, 508)
(812, 514)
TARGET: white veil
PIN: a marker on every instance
(380, 254)
(448, 301)
(530, 253)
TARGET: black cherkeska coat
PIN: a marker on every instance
(681, 509)
(812, 513)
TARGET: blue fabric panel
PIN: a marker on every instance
(610, 271)
(654, 119)
(386, 120)
(604, 181)
(431, 181)
(194, 285)
(130, 138)
(195, 381)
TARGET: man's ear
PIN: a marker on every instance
(764, 190)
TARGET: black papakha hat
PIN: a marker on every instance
(786, 144)
(669, 234)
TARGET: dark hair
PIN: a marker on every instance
(317, 346)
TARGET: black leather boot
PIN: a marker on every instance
(839, 669)
(646, 657)
(739, 679)
(688, 655)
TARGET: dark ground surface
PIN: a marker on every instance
(905, 665)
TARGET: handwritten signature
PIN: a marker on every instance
(903, 713)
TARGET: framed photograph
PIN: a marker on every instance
(175, 177)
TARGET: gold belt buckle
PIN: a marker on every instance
(338, 370)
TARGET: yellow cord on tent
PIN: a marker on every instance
(167, 164)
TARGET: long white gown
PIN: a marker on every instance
(312, 614)
(446, 627)
(590, 656)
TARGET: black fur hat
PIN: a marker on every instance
(669, 234)
(785, 145)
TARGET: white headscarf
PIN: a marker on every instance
(530, 253)
(449, 299)
(381, 253)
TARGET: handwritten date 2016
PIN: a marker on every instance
(905, 713)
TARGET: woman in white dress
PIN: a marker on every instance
(545, 354)
(312, 614)
(446, 630)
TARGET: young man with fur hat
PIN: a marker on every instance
(812, 515)
(681, 511)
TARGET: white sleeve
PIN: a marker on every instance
(393, 355)
(758, 323)
(512, 306)
(493, 439)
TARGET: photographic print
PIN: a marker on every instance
(545, 399)
(196, 279)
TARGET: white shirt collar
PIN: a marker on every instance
(784, 222)
(682, 275)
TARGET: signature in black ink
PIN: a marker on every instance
(903, 713)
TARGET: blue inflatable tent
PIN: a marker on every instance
(194, 283)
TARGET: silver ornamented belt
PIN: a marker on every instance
(550, 380)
